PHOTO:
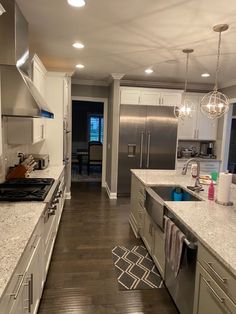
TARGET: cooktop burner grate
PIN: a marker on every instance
(16, 190)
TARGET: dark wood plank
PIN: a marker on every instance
(81, 278)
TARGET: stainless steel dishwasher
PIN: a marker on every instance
(181, 288)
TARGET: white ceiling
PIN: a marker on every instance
(127, 36)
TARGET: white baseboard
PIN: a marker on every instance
(68, 196)
(111, 195)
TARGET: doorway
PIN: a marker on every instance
(89, 124)
(232, 144)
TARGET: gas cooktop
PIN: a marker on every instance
(25, 189)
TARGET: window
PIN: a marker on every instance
(96, 128)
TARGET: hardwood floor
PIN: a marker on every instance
(81, 278)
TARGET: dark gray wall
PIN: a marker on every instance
(80, 112)
(89, 91)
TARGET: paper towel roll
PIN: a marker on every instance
(224, 187)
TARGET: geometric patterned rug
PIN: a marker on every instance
(135, 269)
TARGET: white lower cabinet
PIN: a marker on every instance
(148, 233)
(209, 297)
(158, 254)
(136, 205)
(23, 293)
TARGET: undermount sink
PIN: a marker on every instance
(166, 193)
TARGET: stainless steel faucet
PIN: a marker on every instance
(197, 186)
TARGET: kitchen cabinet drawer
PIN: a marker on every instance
(223, 277)
(209, 297)
(25, 130)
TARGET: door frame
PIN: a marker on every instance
(105, 113)
(226, 135)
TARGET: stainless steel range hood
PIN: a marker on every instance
(19, 96)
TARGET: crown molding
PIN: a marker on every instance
(89, 82)
(117, 76)
(168, 85)
(228, 84)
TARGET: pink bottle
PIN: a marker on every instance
(211, 191)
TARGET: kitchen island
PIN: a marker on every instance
(18, 221)
(213, 225)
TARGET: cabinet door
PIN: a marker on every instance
(206, 128)
(20, 303)
(39, 75)
(38, 130)
(150, 97)
(170, 99)
(209, 297)
(148, 232)
(130, 96)
(158, 250)
(34, 276)
(187, 126)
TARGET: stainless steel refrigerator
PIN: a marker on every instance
(147, 140)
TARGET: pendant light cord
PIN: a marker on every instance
(186, 74)
(218, 63)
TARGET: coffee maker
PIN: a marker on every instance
(207, 149)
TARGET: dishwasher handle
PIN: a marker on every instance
(190, 244)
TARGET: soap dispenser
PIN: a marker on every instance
(211, 191)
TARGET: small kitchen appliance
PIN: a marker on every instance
(42, 161)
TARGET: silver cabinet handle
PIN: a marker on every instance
(15, 294)
(148, 149)
(31, 288)
(207, 282)
(223, 280)
(28, 284)
(141, 150)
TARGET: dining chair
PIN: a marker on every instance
(94, 155)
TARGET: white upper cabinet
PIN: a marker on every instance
(39, 75)
(198, 127)
(25, 130)
(130, 96)
(149, 96)
(171, 98)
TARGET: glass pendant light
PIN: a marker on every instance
(185, 110)
(215, 104)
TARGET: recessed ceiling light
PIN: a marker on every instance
(78, 45)
(76, 3)
(79, 66)
(205, 75)
(149, 71)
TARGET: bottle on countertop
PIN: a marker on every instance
(211, 191)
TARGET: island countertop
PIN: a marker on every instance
(214, 225)
(17, 223)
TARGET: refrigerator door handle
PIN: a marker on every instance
(148, 149)
(141, 151)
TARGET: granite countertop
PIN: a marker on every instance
(17, 223)
(214, 225)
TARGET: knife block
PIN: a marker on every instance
(18, 172)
